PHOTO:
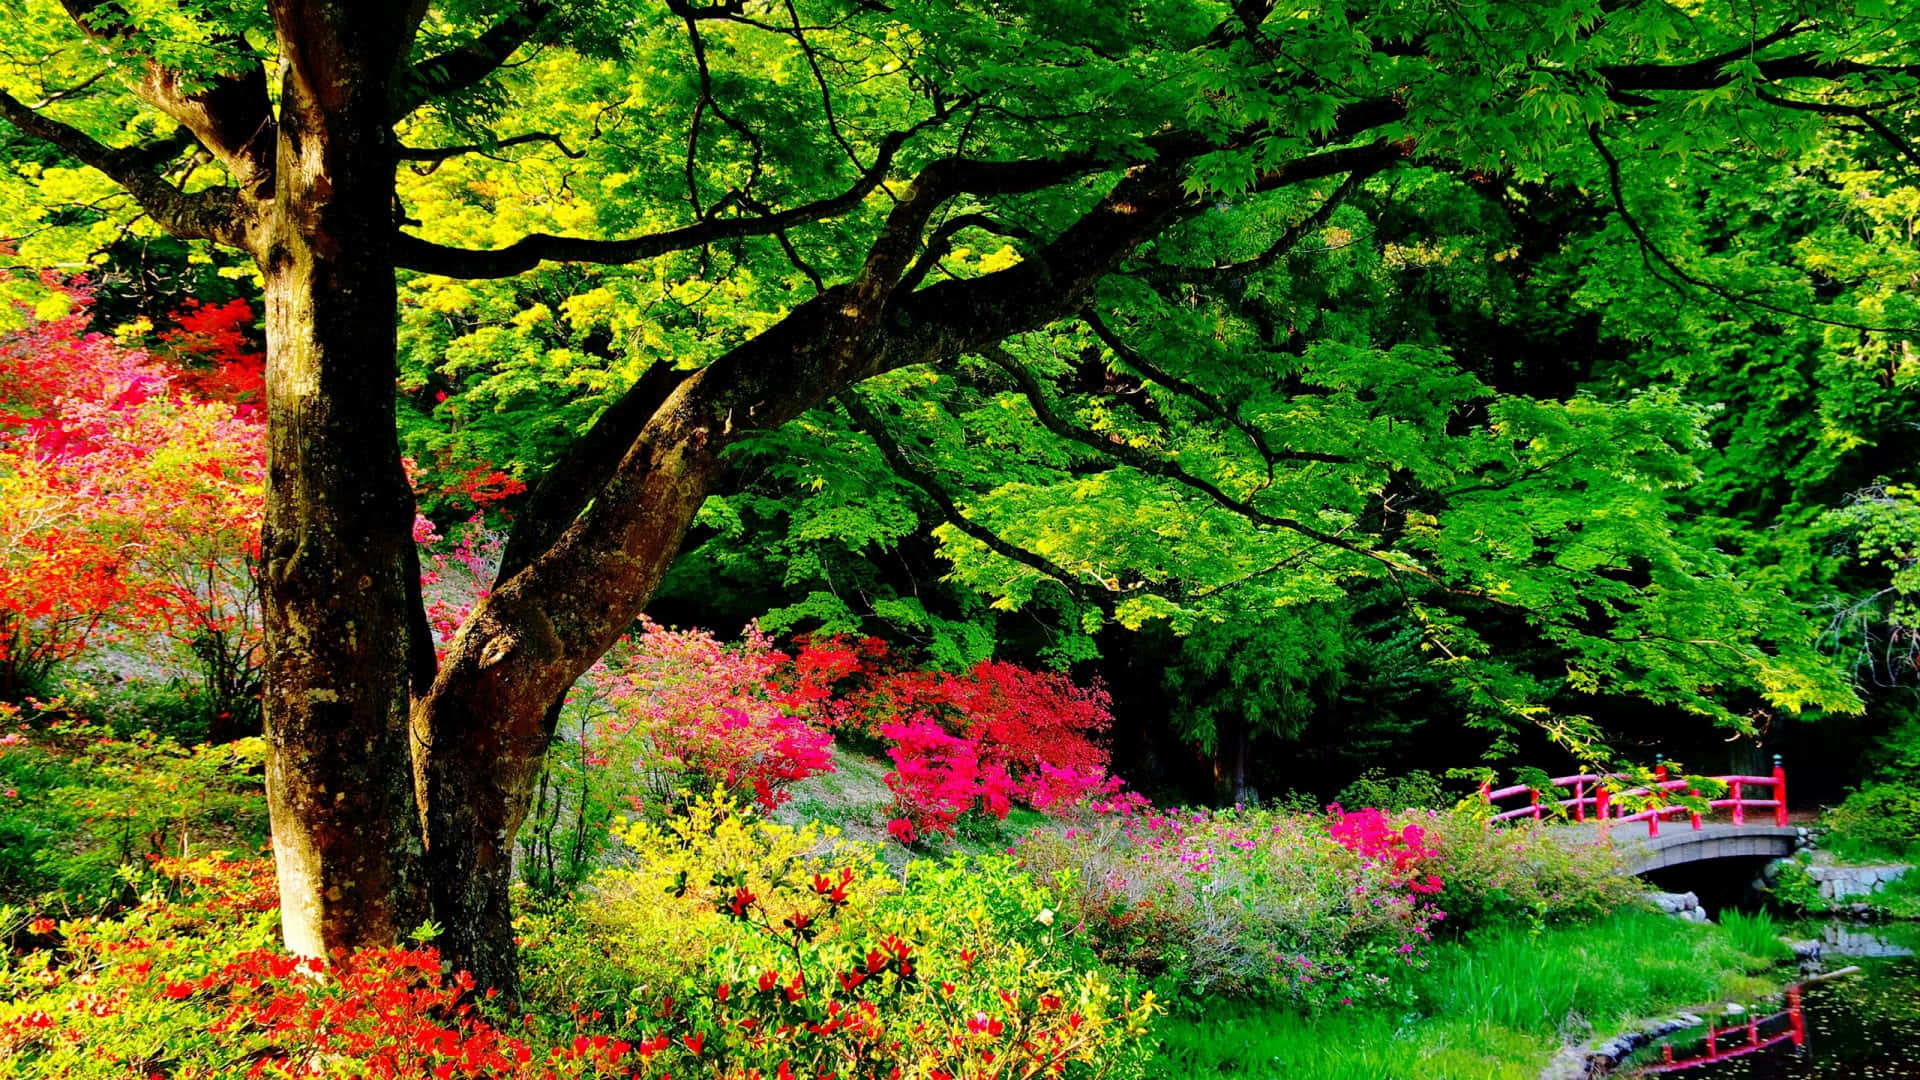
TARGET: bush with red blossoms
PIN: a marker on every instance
(975, 742)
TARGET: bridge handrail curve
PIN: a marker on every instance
(1714, 1051)
(1589, 792)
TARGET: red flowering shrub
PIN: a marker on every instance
(973, 742)
(845, 685)
(130, 495)
(1382, 842)
(215, 352)
(983, 740)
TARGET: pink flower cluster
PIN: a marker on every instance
(703, 709)
(980, 740)
(996, 735)
(1369, 834)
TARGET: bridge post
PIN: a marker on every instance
(1694, 792)
(1739, 810)
(1659, 799)
(1779, 793)
(1579, 800)
(1600, 802)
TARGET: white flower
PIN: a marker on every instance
(1045, 918)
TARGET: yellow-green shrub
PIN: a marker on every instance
(777, 948)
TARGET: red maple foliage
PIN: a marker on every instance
(128, 503)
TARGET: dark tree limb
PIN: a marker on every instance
(1711, 74)
(524, 254)
(1134, 359)
(216, 214)
(229, 113)
(577, 478)
(1867, 116)
(903, 467)
(1288, 240)
(443, 153)
(1153, 465)
(941, 242)
(460, 68)
(706, 101)
(1676, 275)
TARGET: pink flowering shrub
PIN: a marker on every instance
(939, 776)
(704, 718)
(1310, 910)
(1382, 842)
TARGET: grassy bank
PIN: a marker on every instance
(1493, 1007)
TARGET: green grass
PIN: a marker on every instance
(1492, 1007)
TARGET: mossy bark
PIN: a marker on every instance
(338, 533)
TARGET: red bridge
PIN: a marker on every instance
(1748, 1038)
(1754, 825)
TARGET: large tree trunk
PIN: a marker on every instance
(482, 731)
(338, 534)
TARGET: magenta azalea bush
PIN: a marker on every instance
(1315, 911)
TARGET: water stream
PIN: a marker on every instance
(1856, 1027)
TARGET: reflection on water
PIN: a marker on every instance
(1865, 1025)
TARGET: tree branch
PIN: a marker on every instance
(216, 214)
(442, 153)
(524, 254)
(1652, 253)
(1711, 74)
(1135, 360)
(462, 67)
(231, 115)
(942, 241)
(1861, 113)
(1152, 465)
(1288, 240)
(903, 467)
(577, 478)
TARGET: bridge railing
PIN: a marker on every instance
(1748, 1038)
(1596, 797)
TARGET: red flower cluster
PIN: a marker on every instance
(978, 741)
(135, 494)
(1371, 835)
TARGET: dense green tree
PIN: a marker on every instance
(668, 230)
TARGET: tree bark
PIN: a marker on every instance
(338, 532)
(482, 732)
